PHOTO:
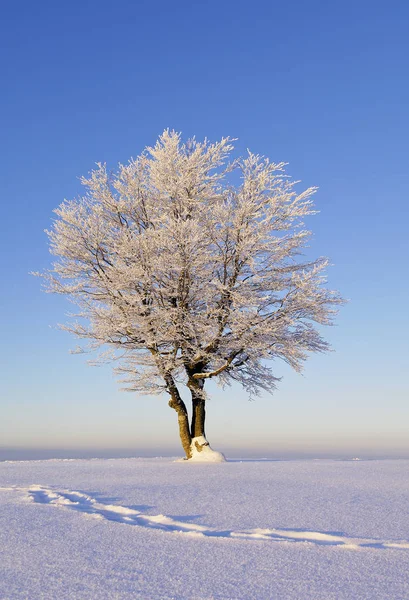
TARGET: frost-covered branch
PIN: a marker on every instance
(187, 275)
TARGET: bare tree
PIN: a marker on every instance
(187, 277)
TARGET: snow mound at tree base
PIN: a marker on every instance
(202, 452)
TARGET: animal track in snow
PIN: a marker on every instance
(129, 516)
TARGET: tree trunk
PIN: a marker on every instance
(197, 430)
(200, 448)
(198, 416)
(179, 406)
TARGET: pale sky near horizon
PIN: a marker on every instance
(322, 86)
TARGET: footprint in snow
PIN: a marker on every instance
(129, 516)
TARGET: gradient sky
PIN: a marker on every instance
(321, 85)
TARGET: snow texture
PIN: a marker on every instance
(152, 528)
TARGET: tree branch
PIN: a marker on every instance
(219, 370)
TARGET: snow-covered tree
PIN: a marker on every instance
(187, 265)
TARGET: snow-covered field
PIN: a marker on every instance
(158, 529)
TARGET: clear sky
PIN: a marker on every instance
(321, 85)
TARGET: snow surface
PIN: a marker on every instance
(158, 529)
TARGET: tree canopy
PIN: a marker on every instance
(187, 276)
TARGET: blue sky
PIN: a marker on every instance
(320, 85)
